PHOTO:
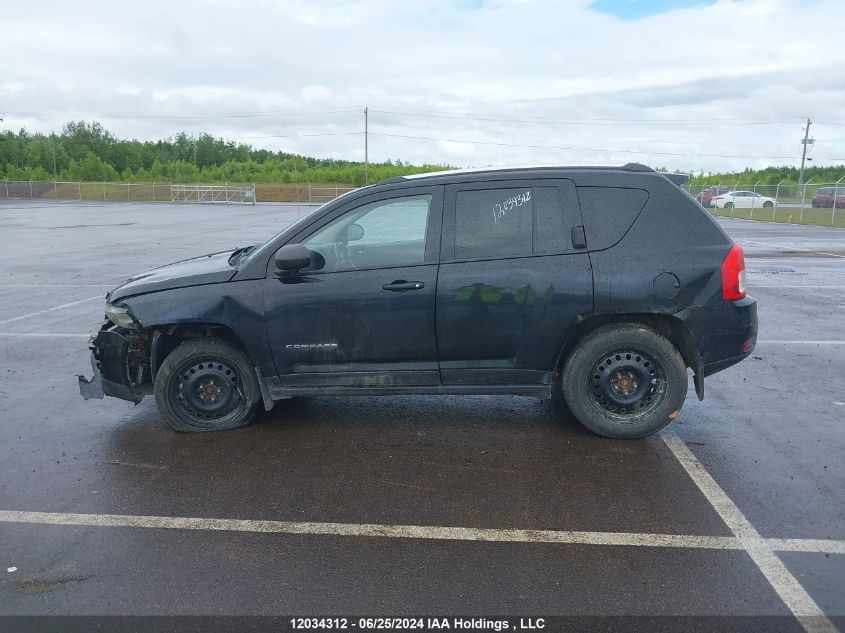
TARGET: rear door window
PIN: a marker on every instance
(513, 220)
(494, 223)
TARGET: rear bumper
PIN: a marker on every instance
(725, 334)
(110, 362)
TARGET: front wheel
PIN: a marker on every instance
(768, 204)
(207, 384)
(625, 381)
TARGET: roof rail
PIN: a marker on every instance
(636, 167)
(678, 179)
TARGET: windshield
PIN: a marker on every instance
(303, 221)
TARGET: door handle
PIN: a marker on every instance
(402, 286)
(579, 239)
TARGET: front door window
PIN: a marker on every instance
(384, 234)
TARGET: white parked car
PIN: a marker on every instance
(742, 200)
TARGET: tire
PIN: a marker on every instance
(207, 384)
(729, 205)
(637, 356)
(768, 204)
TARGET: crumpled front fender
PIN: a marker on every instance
(110, 361)
(93, 388)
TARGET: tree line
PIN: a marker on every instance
(770, 176)
(87, 152)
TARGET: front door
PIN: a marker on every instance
(362, 314)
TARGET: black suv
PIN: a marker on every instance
(605, 283)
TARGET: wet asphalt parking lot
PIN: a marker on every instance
(413, 505)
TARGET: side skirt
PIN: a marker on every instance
(279, 392)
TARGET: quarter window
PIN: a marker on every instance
(608, 213)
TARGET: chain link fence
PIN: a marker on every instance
(166, 192)
(821, 204)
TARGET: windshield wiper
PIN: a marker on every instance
(239, 254)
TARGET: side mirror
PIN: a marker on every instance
(291, 257)
(354, 232)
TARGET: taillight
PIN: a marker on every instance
(733, 274)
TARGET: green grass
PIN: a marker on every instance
(787, 215)
(149, 192)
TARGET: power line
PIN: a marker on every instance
(429, 110)
(231, 115)
(587, 149)
(300, 135)
(414, 112)
(596, 121)
(494, 118)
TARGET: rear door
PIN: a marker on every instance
(512, 283)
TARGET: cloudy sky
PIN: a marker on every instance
(685, 84)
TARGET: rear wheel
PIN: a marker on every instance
(625, 381)
(206, 384)
(729, 205)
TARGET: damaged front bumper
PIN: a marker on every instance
(117, 361)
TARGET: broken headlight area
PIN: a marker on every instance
(121, 362)
(120, 316)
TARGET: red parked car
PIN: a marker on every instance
(824, 197)
(706, 196)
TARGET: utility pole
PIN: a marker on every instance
(53, 147)
(806, 141)
(366, 148)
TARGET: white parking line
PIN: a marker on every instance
(44, 334)
(433, 532)
(790, 591)
(752, 260)
(753, 288)
(64, 305)
(807, 545)
(377, 530)
(776, 342)
(789, 247)
(58, 285)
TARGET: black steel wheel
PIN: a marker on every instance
(624, 381)
(628, 382)
(206, 385)
(206, 390)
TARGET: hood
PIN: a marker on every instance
(207, 269)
